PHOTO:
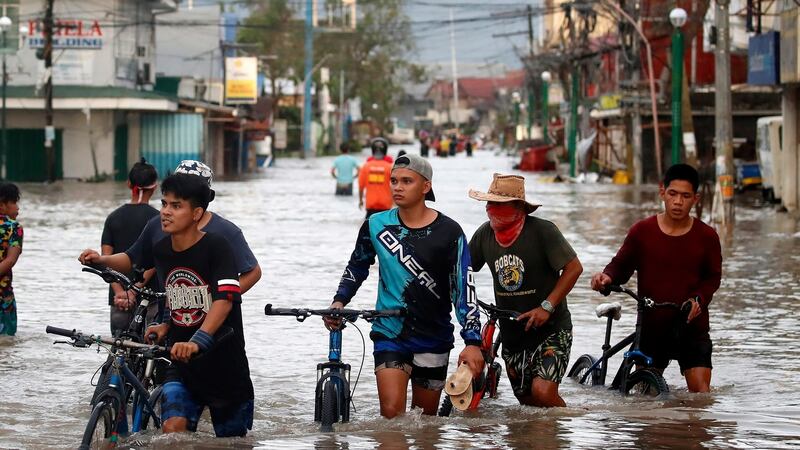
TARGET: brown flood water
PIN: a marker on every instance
(303, 235)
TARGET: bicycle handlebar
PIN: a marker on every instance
(648, 302)
(87, 340)
(499, 313)
(351, 315)
(110, 275)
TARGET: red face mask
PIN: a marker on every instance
(506, 220)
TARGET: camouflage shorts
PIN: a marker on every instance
(548, 362)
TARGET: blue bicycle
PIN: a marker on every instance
(108, 420)
(333, 395)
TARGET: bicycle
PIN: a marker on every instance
(645, 379)
(108, 419)
(487, 383)
(143, 368)
(333, 395)
(144, 295)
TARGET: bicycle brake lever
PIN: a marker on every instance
(62, 342)
(169, 361)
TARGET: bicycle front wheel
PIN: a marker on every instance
(646, 382)
(580, 371)
(99, 431)
(330, 406)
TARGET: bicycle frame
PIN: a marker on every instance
(631, 358)
(120, 377)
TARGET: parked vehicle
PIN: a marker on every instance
(400, 134)
(768, 150)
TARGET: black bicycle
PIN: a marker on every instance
(487, 383)
(636, 374)
(144, 296)
(333, 394)
(108, 420)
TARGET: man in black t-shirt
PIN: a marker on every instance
(203, 318)
(121, 229)
(534, 268)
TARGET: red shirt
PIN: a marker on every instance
(670, 269)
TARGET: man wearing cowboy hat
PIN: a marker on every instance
(534, 268)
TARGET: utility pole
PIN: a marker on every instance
(572, 138)
(309, 63)
(722, 116)
(455, 73)
(531, 78)
(49, 131)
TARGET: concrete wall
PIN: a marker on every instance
(78, 137)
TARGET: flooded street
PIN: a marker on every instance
(303, 236)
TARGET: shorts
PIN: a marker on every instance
(229, 421)
(8, 316)
(548, 362)
(344, 189)
(426, 370)
(690, 351)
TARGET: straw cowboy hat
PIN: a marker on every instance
(505, 188)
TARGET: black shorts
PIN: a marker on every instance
(426, 370)
(690, 351)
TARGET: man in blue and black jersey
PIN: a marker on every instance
(424, 268)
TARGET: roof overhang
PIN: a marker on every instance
(128, 104)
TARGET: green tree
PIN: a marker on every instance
(373, 57)
(274, 25)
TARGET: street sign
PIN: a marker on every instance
(241, 80)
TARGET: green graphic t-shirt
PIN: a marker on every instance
(524, 275)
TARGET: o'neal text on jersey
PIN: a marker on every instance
(388, 240)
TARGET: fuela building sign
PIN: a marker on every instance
(67, 33)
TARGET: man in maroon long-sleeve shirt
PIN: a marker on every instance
(677, 259)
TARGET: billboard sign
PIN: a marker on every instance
(67, 34)
(763, 55)
(241, 80)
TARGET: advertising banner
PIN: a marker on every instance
(241, 80)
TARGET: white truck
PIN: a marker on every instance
(768, 147)
(400, 134)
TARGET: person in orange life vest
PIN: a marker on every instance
(373, 180)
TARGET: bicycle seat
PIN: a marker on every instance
(613, 310)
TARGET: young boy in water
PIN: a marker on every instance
(203, 297)
(10, 249)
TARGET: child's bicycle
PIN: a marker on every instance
(636, 374)
(487, 383)
(333, 394)
(109, 414)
